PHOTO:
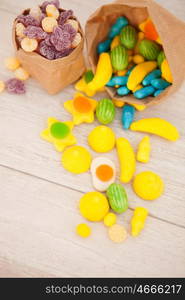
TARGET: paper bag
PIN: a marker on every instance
(53, 75)
(170, 29)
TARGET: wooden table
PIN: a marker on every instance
(39, 199)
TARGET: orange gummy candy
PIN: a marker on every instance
(82, 104)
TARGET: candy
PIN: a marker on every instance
(81, 108)
(154, 74)
(118, 103)
(160, 83)
(149, 30)
(73, 23)
(139, 73)
(128, 37)
(61, 37)
(122, 73)
(140, 37)
(138, 59)
(64, 16)
(36, 13)
(148, 185)
(161, 56)
(103, 172)
(115, 42)
(117, 26)
(144, 149)
(156, 126)
(119, 58)
(29, 45)
(88, 76)
(12, 63)
(139, 107)
(83, 230)
(15, 86)
(117, 197)
(105, 111)
(127, 116)
(19, 29)
(127, 159)
(138, 87)
(21, 74)
(59, 134)
(34, 32)
(48, 52)
(144, 92)
(123, 91)
(52, 11)
(104, 46)
(110, 219)
(149, 49)
(117, 233)
(138, 220)
(157, 93)
(27, 20)
(102, 139)
(117, 80)
(76, 159)
(77, 40)
(2, 86)
(103, 72)
(166, 72)
(48, 24)
(130, 70)
(94, 206)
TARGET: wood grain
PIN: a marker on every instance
(36, 192)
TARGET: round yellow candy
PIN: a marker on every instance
(29, 45)
(102, 139)
(94, 206)
(12, 63)
(2, 86)
(48, 24)
(21, 74)
(110, 219)
(52, 11)
(83, 230)
(148, 185)
(77, 40)
(20, 30)
(76, 159)
(117, 233)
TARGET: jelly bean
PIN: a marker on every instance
(144, 92)
(118, 80)
(160, 83)
(166, 72)
(127, 115)
(116, 28)
(157, 93)
(123, 91)
(153, 75)
(104, 46)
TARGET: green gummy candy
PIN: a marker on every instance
(59, 130)
(88, 76)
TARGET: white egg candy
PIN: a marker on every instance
(103, 172)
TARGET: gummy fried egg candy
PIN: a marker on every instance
(103, 173)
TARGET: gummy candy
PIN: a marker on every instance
(12, 63)
(2, 86)
(15, 86)
(34, 32)
(48, 24)
(64, 16)
(36, 12)
(63, 53)
(27, 20)
(76, 40)
(52, 11)
(59, 130)
(69, 28)
(21, 74)
(60, 39)
(46, 3)
(29, 45)
(47, 51)
(73, 23)
(20, 30)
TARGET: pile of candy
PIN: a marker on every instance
(132, 61)
(48, 30)
(95, 206)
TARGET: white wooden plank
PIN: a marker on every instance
(37, 223)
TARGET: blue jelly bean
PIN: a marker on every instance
(127, 116)
(144, 92)
(117, 80)
(160, 83)
(123, 91)
(111, 82)
(157, 93)
(116, 27)
(104, 46)
(152, 75)
(130, 70)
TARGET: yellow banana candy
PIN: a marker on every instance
(143, 153)
(138, 220)
(166, 72)
(127, 159)
(139, 72)
(81, 86)
(156, 126)
(103, 73)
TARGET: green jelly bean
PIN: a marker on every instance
(152, 75)
(144, 92)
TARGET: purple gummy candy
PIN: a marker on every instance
(64, 16)
(60, 39)
(47, 40)
(45, 3)
(68, 28)
(15, 86)
(27, 20)
(47, 51)
(34, 32)
(63, 53)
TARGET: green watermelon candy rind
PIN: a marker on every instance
(128, 37)
(117, 198)
(119, 58)
(149, 49)
(105, 111)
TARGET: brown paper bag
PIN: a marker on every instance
(53, 75)
(170, 29)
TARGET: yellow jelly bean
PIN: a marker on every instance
(12, 63)
(166, 72)
(102, 139)
(52, 11)
(139, 107)
(122, 73)
(2, 86)
(21, 74)
(138, 59)
(73, 23)
(110, 219)
(76, 40)
(115, 42)
(83, 230)
(29, 45)
(148, 185)
(140, 37)
(118, 103)
(117, 233)
(138, 220)
(19, 29)
(48, 24)
(144, 149)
